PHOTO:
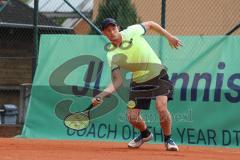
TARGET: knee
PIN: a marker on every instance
(163, 112)
(161, 104)
(133, 117)
(162, 107)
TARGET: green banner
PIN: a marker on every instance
(72, 69)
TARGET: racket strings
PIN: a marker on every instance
(77, 121)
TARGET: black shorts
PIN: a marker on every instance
(141, 94)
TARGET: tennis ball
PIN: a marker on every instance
(131, 104)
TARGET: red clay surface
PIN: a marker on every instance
(25, 149)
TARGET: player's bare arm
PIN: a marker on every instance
(173, 41)
(116, 83)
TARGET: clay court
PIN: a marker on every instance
(26, 149)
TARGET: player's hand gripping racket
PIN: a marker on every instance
(79, 120)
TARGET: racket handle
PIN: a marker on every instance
(98, 99)
(89, 107)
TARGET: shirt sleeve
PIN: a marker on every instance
(135, 30)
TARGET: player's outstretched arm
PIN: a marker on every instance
(111, 88)
(173, 41)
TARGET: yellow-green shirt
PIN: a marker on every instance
(135, 55)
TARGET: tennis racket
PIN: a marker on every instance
(79, 120)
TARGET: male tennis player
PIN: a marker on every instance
(130, 51)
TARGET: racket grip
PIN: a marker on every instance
(98, 99)
(89, 107)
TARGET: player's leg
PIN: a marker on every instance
(164, 115)
(165, 122)
(135, 105)
(136, 120)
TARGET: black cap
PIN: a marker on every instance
(108, 21)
